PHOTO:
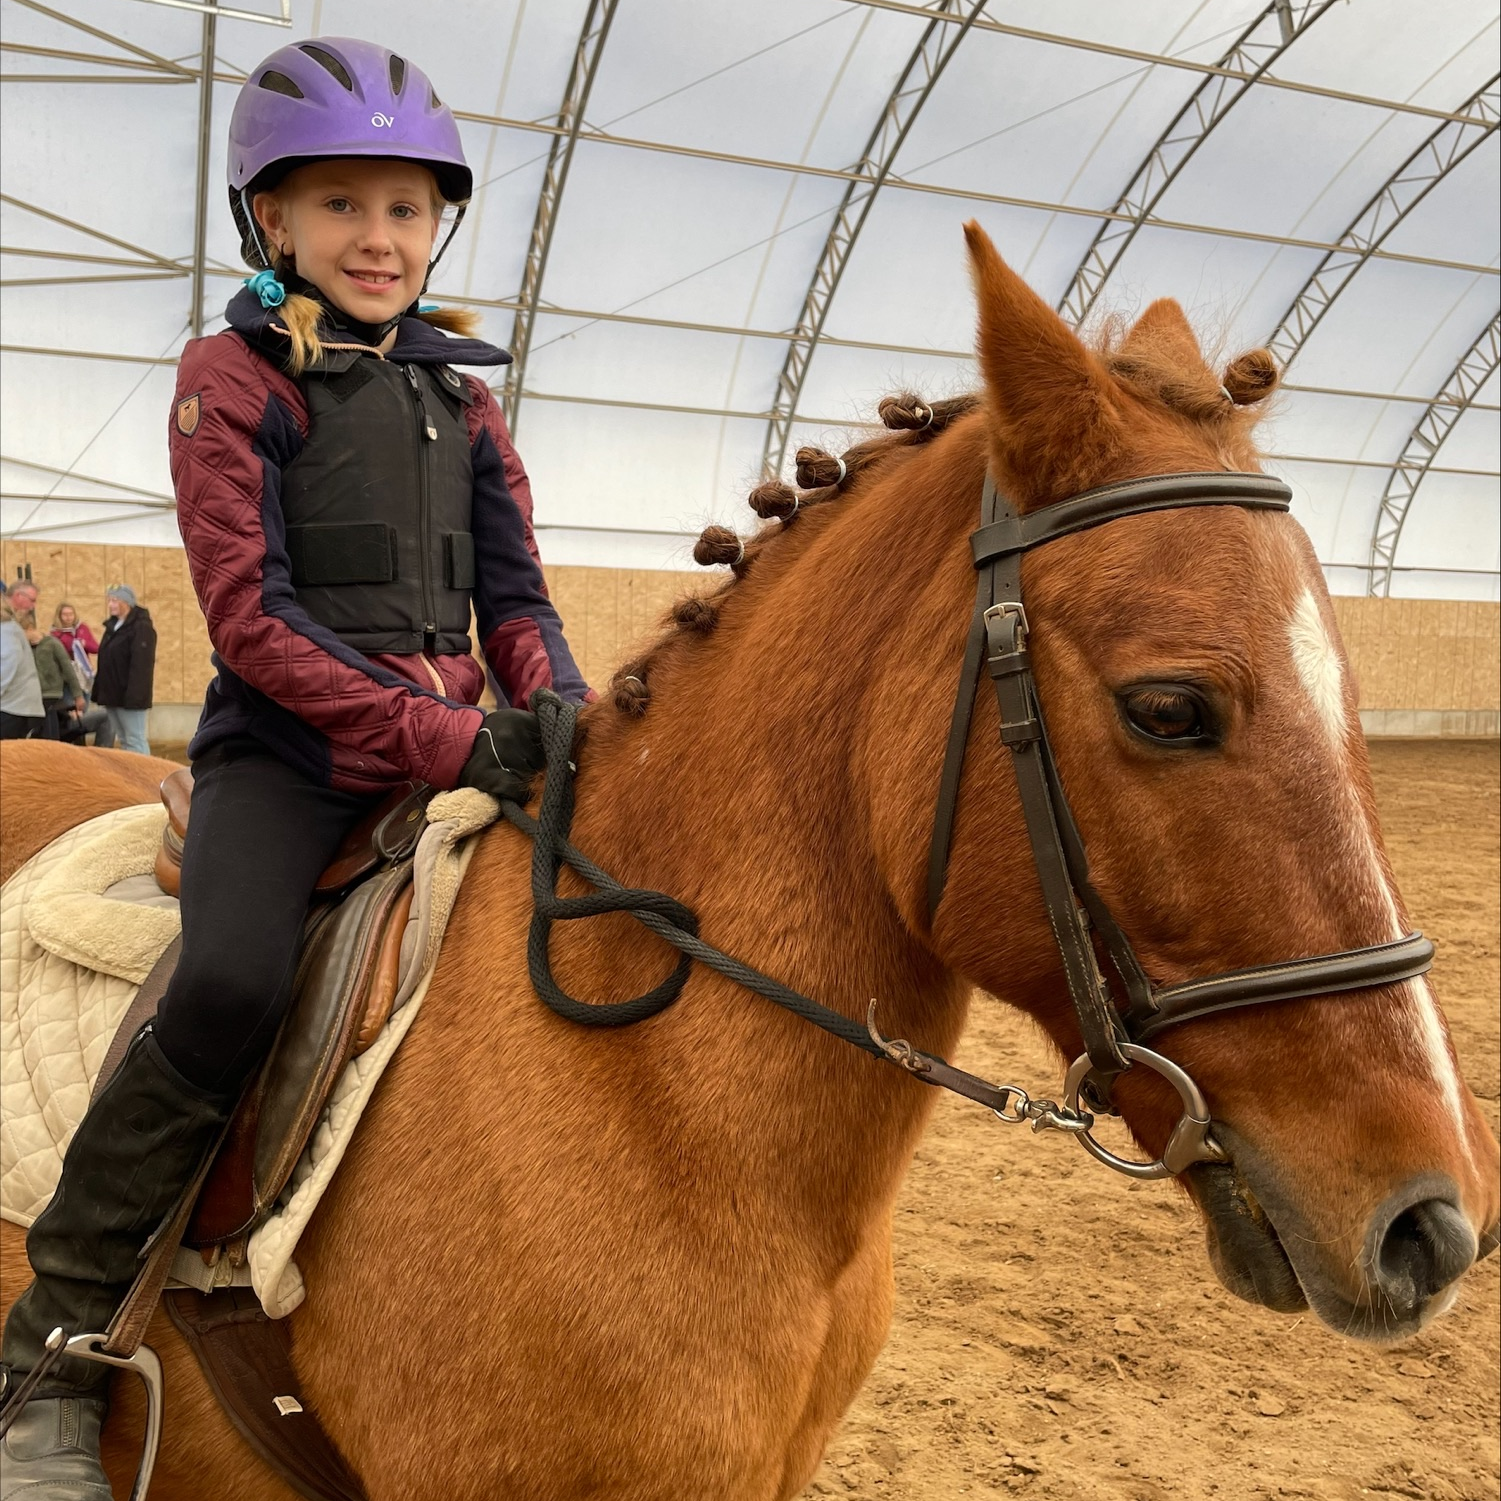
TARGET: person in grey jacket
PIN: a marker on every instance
(21, 711)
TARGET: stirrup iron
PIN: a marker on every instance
(146, 1364)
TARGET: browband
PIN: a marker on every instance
(1132, 497)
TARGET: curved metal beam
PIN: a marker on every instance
(1449, 145)
(1167, 60)
(937, 45)
(1475, 367)
(1265, 40)
(559, 158)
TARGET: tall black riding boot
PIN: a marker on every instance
(134, 1152)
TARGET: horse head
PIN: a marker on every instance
(1202, 714)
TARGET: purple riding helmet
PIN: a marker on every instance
(332, 97)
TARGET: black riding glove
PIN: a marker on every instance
(507, 753)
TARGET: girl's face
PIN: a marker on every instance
(67, 617)
(360, 230)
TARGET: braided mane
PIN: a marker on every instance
(1152, 362)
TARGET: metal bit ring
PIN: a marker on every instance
(1190, 1141)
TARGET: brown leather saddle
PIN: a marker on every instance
(342, 997)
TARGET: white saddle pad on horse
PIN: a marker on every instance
(81, 925)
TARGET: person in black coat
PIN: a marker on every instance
(127, 665)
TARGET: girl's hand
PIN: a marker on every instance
(507, 754)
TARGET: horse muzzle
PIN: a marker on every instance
(1415, 1246)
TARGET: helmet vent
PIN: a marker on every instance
(432, 98)
(330, 62)
(279, 83)
(398, 73)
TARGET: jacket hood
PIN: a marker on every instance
(417, 343)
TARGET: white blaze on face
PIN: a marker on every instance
(1317, 660)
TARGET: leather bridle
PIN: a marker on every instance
(1114, 1035)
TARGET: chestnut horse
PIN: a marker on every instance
(655, 1262)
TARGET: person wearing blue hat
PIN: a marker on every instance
(127, 665)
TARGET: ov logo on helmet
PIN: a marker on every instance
(379, 120)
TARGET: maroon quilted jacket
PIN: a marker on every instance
(346, 720)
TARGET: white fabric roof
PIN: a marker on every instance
(680, 235)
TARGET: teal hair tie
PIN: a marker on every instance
(265, 286)
(427, 307)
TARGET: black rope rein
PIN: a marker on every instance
(668, 919)
(661, 914)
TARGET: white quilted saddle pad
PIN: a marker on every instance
(81, 925)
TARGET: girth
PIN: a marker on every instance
(999, 641)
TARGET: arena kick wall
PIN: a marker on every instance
(1426, 667)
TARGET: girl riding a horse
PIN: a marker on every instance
(345, 498)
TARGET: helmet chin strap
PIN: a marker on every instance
(453, 229)
(255, 229)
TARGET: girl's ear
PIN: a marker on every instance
(268, 214)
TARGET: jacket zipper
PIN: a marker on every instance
(426, 433)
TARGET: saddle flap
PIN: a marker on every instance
(334, 981)
(346, 975)
(390, 831)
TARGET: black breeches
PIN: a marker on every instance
(259, 836)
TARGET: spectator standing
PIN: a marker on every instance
(21, 711)
(127, 665)
(62, 694)
(79, 640)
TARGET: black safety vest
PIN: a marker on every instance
(378, 505)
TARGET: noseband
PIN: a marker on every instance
(1114, 1035)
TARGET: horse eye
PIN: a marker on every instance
(1166, 713)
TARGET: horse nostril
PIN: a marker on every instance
(1424, 1249)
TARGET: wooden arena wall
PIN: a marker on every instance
(1426, 667)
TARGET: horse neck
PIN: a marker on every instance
(768, 787)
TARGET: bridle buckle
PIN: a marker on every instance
(1014, 608)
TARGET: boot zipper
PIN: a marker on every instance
(426, 433)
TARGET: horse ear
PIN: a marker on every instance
(1165, 328)
(1048, 396)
